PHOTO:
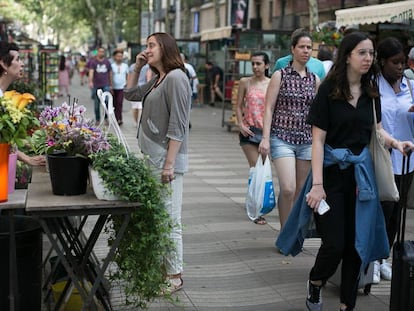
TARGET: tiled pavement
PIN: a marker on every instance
(231, 263)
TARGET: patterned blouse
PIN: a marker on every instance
(292, 107)
(254, 109)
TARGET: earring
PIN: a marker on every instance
(5, 73)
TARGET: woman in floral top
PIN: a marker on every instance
(286, 136)
(250, 109)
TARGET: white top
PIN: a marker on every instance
(119, 75)
(193, 76)
(327, 65)
(396, 119)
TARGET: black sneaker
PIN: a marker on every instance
(314, 299)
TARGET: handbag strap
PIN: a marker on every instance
(410, 87)
(375, 114)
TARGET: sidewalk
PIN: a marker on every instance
(230, 262)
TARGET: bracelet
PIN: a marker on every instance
(320, 184)
(168, 169)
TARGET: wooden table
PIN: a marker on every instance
(53, 213)
(16, 200)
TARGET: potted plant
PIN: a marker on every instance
(15, 121)
(70, 138)
(146, 242)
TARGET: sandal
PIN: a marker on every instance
(174, 285)
(260, 221)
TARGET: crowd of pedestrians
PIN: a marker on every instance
(313, 117)
(316, 113)
(303, 116)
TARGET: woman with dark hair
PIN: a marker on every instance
(163, 131)
(325, 55)
(286, 136)
(250, 108)
(64, 79)
(11, 69)
(353, 230)
(397, 119)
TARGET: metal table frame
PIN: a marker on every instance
(16, 200)
(76, 254)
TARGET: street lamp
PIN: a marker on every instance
(171, 18)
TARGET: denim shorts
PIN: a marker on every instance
(252, 140)
(282, 149)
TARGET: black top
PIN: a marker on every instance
(212, 73)
(346, 126)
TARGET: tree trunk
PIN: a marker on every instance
(313, 14)
(282, 14)
(186, 31)
(98, 23)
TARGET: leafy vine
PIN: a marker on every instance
(140, 255)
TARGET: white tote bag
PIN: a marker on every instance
(387, 189)
(260, 199)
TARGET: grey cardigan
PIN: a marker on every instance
(165, 116)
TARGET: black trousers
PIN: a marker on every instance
(337, 229)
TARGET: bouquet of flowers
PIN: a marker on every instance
(15, 119)
(67, 130)
(328, 36)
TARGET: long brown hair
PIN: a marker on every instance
(338, 73)
(170, 58)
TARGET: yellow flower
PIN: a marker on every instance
(9, 94)
(19, 100)
(335, 36)
(25, 99)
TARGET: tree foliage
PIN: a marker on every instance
(105, 22)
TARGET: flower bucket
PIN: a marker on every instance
(12, 171)
(4, 175)
(75, 301)
(99, 188)
(68, 174)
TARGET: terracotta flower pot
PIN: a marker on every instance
(4, 172)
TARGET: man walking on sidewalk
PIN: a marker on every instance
(120, 75)
(100, 77)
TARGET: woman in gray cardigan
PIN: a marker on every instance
(164, 128)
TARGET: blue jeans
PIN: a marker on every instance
(97, 102)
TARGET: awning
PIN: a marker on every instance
(394, 12)
(216, 33)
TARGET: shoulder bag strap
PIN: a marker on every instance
(410, 87)
(375, 114)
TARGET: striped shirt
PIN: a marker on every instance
(292, 107)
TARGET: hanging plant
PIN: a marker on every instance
(146, 242)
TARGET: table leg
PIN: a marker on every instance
(111, 254)
(96, 273)
(13, 281)
(68, 236)
(84, 250)
(68, 261)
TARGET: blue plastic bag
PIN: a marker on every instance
(260, 199)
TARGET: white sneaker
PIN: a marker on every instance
(386, 271)
(376, 278)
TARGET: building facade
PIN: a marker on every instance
(207, 26)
